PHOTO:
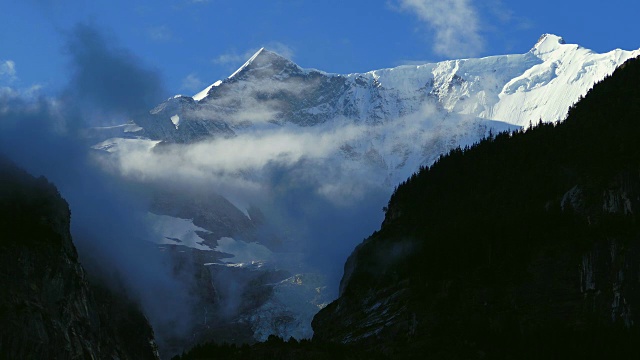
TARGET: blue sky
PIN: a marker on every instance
(192, 43)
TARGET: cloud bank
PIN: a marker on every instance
(107, 79)
(41, 134)
(192, 83)
(282, 170)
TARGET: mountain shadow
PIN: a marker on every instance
(48, 307)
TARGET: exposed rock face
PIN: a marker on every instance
(521, 245)
(48, 309)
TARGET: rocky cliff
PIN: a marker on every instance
(48, 308)
(525, 245)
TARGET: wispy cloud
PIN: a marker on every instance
(499, 10)
(192, 83)
(261, 102)
(8, 71)
(232, 57)
(251, 152)
(109, 79)
(455, 24)
(281, 48)
(502, 15)
(38, 132)
(160, 33)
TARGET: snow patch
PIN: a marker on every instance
(114, 145)
(177, 231)
(243, 252)
(202, 94)
(175, 119)
(537, 76)
(130, 128)
(247, 63)
(548, 43)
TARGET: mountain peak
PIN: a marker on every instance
(547, 43)
(264, 58)
(256, 55)
(262, 64)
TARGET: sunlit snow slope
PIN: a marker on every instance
(396, 119)
(540, 84)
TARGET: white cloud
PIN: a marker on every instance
(160, 33)
(258, 102)
(455, 24)
(232, 58)
(8, 70)
(499, 10)
(19, 93)
(280, 48)
(240, 167)
(249, 152)
(192, 83)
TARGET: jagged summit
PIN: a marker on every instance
(547, 43)
(550, 37)
(261, 65)
(249, 62)
(264, 62)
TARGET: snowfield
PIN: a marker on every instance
(176, 231)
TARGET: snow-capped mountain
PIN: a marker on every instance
(273, 130)
(405, 116)
(516, 89)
